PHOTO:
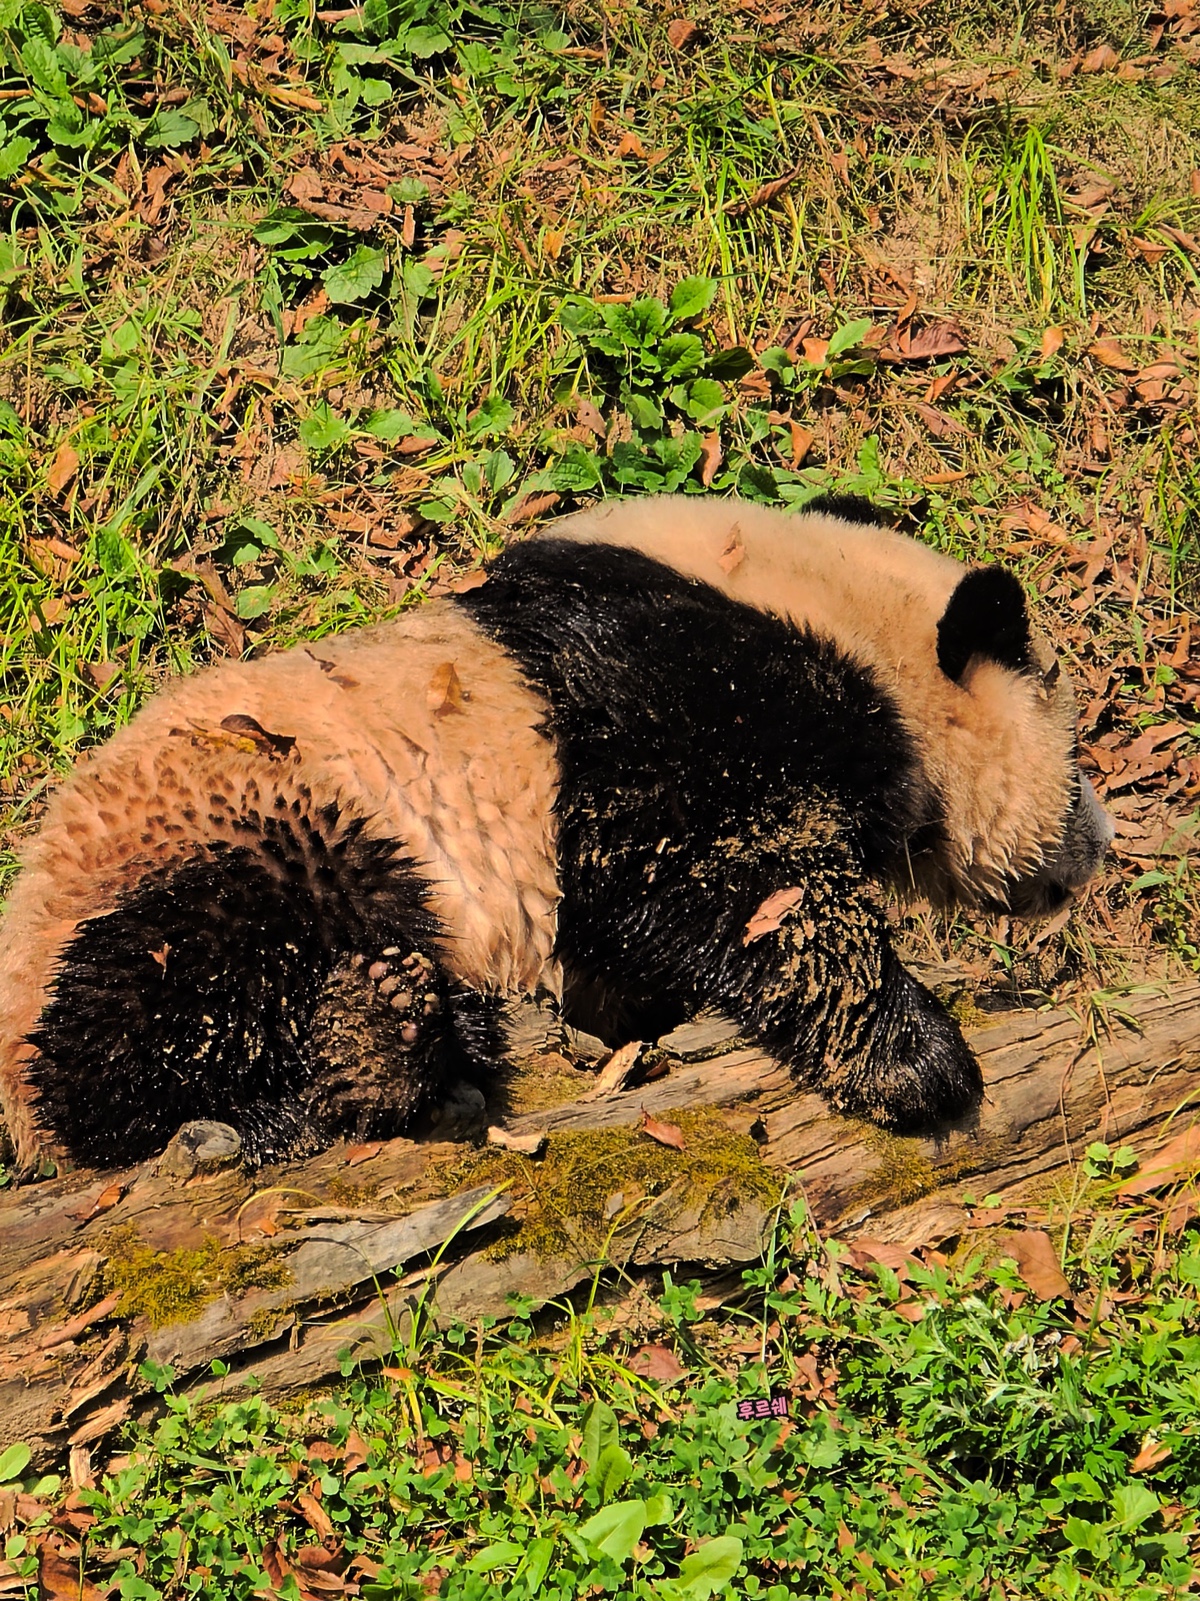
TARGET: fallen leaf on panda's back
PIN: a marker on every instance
(249, 728)
(1038, 1264)
(665, 1133)
(734, 553)
(104, 1202)
(657, 1362)
(1177, 1162)
(446, 696)
(771, 913)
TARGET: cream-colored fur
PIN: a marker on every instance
(459, 771)
(997, 747)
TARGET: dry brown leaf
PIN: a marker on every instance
(734, 553)
(764, 194)
(682, 33)
(1038, 1264)
(1148, 249)
(356, 1455)
(1102, 59)
(771, 913)
(1177, 1162)
(247, 727)
(1150, 1454)
(60, 1578)
(81, 1321)
(524, 1144)
(100, 674)
(357, 1154)
(1052, 342)
(225, 629)
(104, 1202)
(665, 1133)
(314, 1514)
(275, 1564)
(1109, 353)
(815, 351)
(590, 416)
(531, 506)
(803, 440)
(657, 1362)
(445, 696)
(630, 145)
(615, 1071)
(552, 242)
(937, 339)
(711, 457)
(62, 469)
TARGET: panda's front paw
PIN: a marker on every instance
(409, 986)
(917, 1073)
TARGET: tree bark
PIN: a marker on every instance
(330, 1238)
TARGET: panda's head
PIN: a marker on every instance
(1048, 834)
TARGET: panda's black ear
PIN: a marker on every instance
(985, 616)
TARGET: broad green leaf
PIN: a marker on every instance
(494, 416)
(14, 155)
(658, 1509)
(730, 364)
(616, 1529)
(500, 1554)
(498, 470)
(14, 1461)
(1133, 1503)
(537, 1562)
(424, 42)
(612, 1470)
(314, 349)
(707, 1570)
(681, 354)
(357, 277)
(600, 1429)
(575, 472)
(691, 296)
(391, 425)
(578, 316)
(847, 337)
(40, 60)
(638, 325)
(253, 601)
(323, 429)
(706, 401)
(419, 282)
(169, 129)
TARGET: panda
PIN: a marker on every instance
(672, 753)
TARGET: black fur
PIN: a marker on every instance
(985, 616)
(195, 996)
(712, 755)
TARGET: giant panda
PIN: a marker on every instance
(672, 753)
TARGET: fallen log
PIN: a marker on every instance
(291, 1272)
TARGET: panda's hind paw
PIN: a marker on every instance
(409, 985)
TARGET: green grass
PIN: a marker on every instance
(950, 1434)
(240, 406)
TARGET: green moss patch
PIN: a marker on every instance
(173, 1286)
(570, 1197)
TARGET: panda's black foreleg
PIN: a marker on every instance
(812, 973)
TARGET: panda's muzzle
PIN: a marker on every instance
(1087, 835)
